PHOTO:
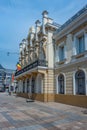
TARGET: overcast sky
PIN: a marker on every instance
(16, 16)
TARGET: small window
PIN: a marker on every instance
(80, 46)
(61, 53)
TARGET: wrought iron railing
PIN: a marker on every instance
(31, 66)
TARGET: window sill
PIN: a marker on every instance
(80, 55)
(62, 61)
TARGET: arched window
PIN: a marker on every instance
(80, 82)
(61, 84)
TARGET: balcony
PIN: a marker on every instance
(31, 66)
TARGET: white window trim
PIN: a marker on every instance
(74, 84)
(77, 35)
(58, 49)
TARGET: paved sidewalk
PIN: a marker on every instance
(17, 114)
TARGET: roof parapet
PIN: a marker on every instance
(79, 13)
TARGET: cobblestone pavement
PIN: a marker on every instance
(17, 114)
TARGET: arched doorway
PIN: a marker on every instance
(80, 82)
(61, 83)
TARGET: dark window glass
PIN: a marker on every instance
(61, 84)
(80, 82)
(81, 44)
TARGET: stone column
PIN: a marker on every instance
(29, 56)
(44, 20)
(20, 57)
(27, 53)
(25, 85)
(22, 60)
(57, 53)
(37, 29)
(30, 85)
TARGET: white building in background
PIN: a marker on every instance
(5, 78)
(9, 84)
(2, 77)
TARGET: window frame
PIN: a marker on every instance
(61, 53)
(78, 79)
(78, 44)
(61, 59)
(60, 81)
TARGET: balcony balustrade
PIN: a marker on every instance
(31, 66)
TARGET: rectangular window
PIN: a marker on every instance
(80, 44)
(61, 53)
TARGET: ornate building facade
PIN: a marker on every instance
(54, 61)
(37, 61)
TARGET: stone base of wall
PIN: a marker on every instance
(24, 95)
(39, 97)
(49, 97)
(75, 100)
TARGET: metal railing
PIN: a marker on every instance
(72, 18)
(31, 66)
